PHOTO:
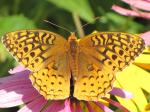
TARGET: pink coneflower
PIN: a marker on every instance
(146, 37)
(17, 89)
(139, 8)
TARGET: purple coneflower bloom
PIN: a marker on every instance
(17, 89)
(140, 8)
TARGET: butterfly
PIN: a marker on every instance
(83, 68)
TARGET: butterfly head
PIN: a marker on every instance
(72, 40)
(72, 36)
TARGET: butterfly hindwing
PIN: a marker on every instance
(93, 81)
(53, 81)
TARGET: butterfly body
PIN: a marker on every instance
(91, 62)
(73, 54)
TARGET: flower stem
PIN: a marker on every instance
(78, 25)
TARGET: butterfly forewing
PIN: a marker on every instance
(106, 53)
(119, 48)
(41, 51)
(34, 48)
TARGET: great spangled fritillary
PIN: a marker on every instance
(85, 68)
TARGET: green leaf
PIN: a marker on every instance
(121, 23)
(80, 7)
(16, 22)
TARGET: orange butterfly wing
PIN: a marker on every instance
(101, 56)
(44, 53)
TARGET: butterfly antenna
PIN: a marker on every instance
(57, 25)
(89, 23)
